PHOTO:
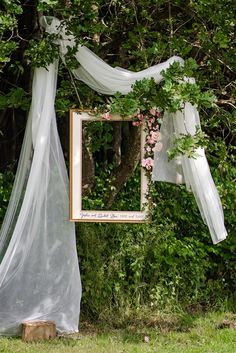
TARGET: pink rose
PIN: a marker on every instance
(148, 163)
(140, 117)
(153, 111)
(136, 123)
(106, 116)
(150, 141)
(155, 135)
(152, 120)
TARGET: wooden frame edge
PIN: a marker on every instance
(143, 177)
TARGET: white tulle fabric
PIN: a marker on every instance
(95, 72)
(194, 172)
(39, 273)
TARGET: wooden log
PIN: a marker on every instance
(38, 330)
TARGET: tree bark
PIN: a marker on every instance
(129, 162)
(88, 166)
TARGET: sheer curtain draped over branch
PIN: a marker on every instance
(194, 172)
(39, 274)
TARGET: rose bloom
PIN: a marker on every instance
(140, 117)
(153, 111)
(148, 163)
(106, 116)
(152, 120)
(136, 123)
(150, 141)
(155, 135)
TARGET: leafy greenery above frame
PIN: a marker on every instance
(147, 102)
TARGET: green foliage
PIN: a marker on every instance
(187, 145)
(8, 24)
(178, 89)
(164, 264)
(6, 48)
(16, 98)
(126, 199)
(12, 6)
(102, 131)
(96, 199)
(102, 151)
(172, 95)
(125, 105)
(149, 266)
(42, 52)
(45, 5)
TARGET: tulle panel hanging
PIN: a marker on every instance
(39, 273)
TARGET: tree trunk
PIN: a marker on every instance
(129, 162)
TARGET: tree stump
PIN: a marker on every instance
(38, 330)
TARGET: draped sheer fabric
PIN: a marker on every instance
(194, 172)
(95, 72)
(39, 273)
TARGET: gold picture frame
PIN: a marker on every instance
(77, 214)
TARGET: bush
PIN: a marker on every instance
(167, 264)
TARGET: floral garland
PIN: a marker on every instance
(153, 139)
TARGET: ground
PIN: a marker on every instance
(205, 333)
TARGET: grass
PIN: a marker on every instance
(210, 333)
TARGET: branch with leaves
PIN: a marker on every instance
(171, 95)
